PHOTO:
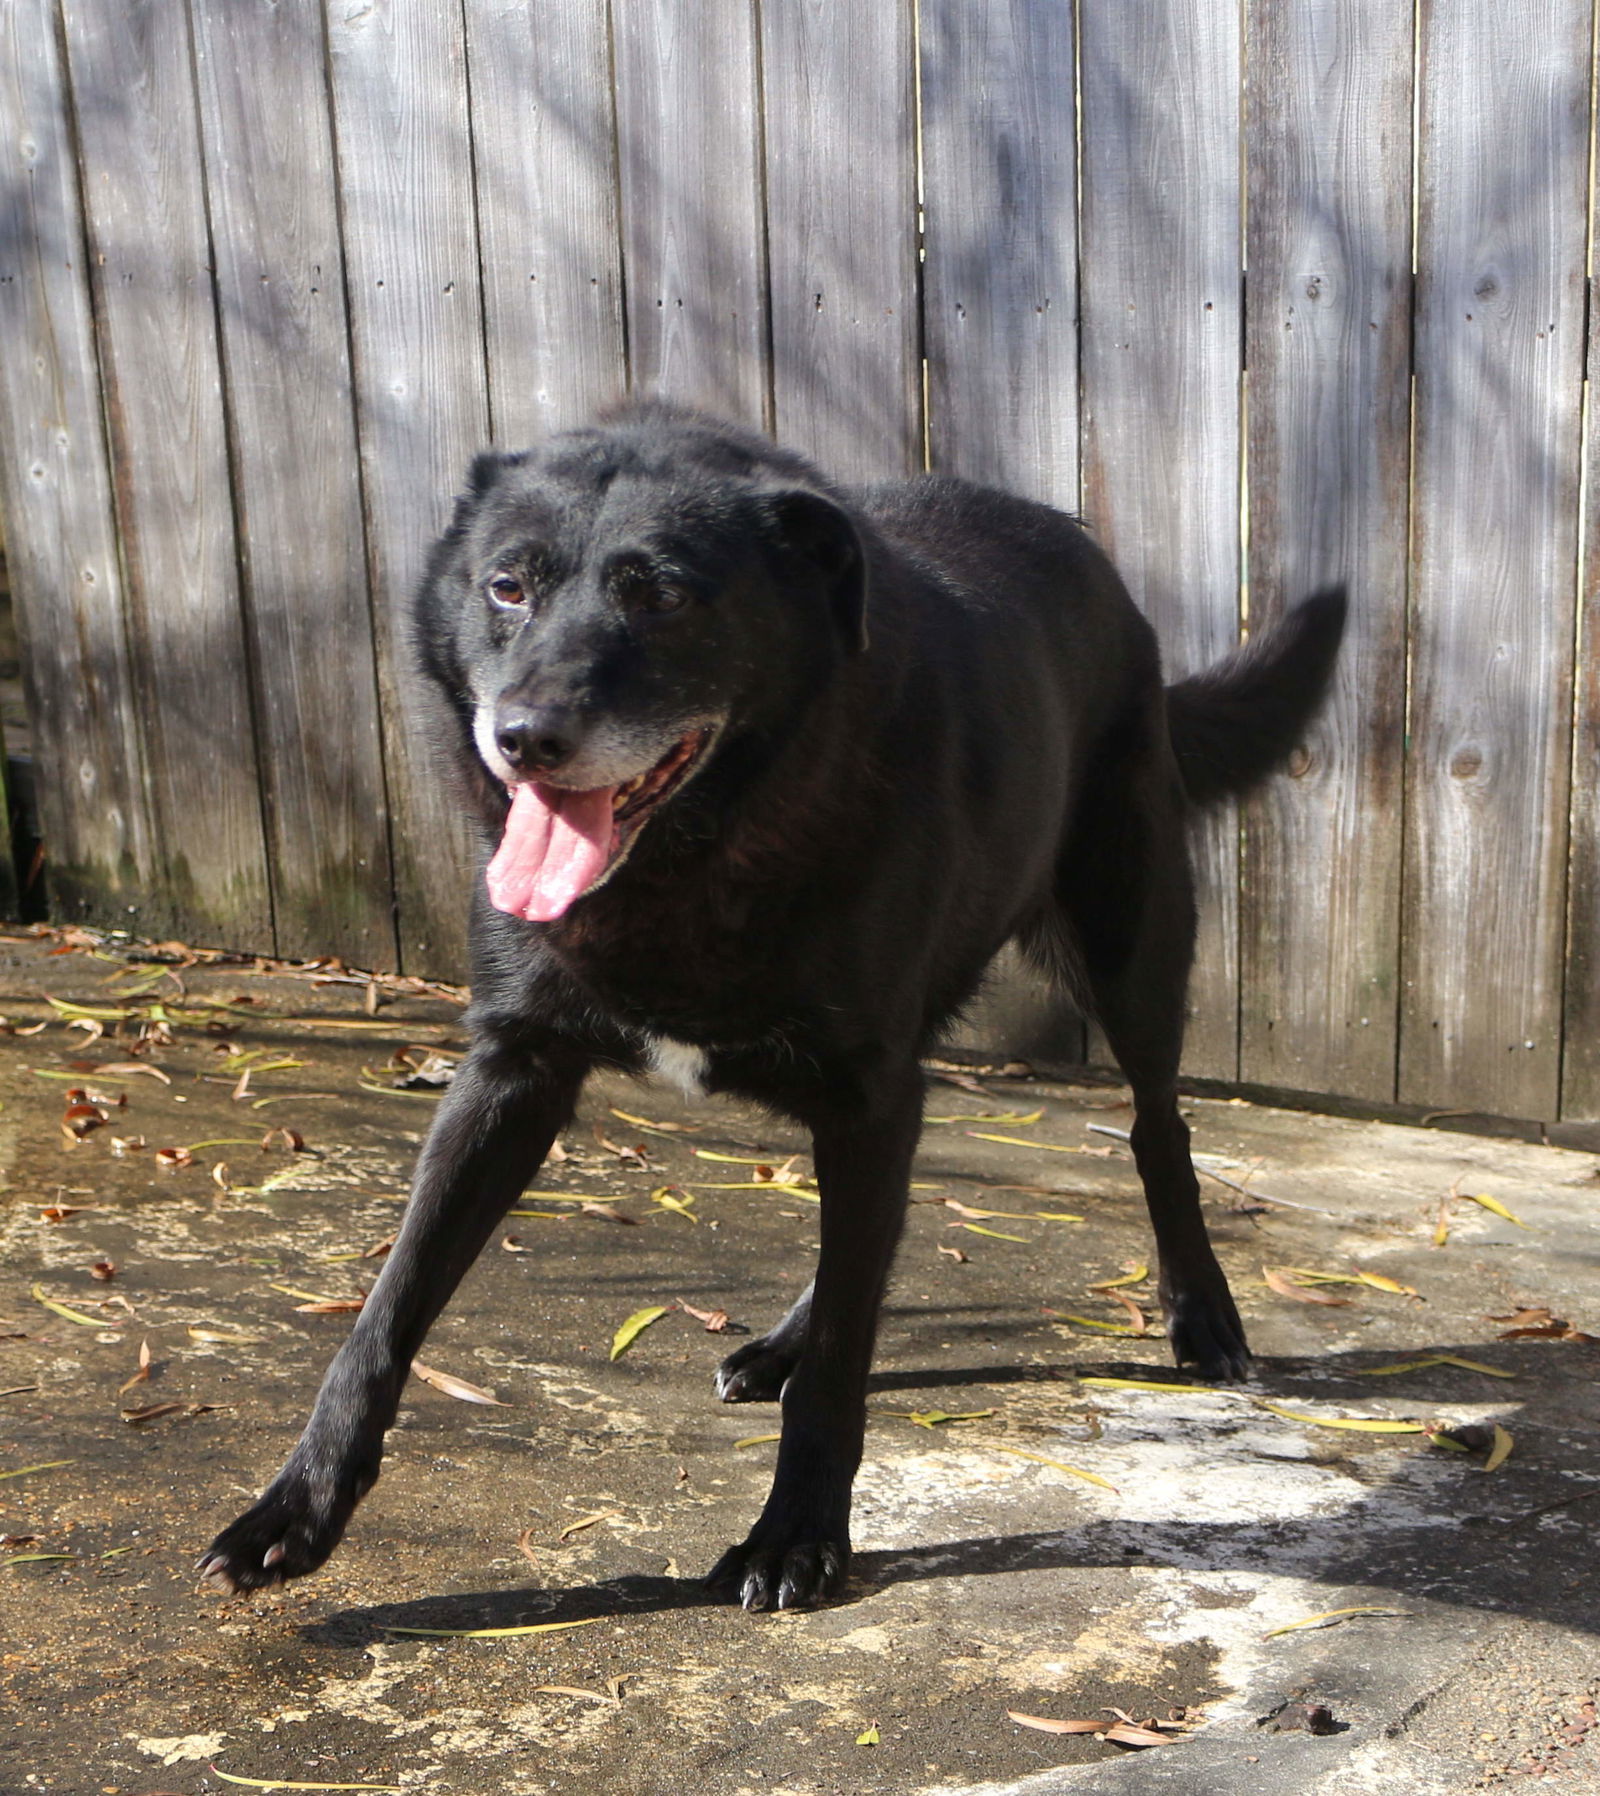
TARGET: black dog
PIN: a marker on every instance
(788, 766)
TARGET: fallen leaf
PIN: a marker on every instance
(104, 1271)
(1359, 1424)
(24, 1471)
(934, 1418)
(151, 1411)
(56, 1213)
(587, 1521)
(538, 1627)
(750, 1440)
(669, 1200)
(977, 1228)
(1328, 1618)
(1138, 1320)
(954, 1253)
(608, 1212)
(1046, 1725)
(143, 1371)
(34, 1558)
(715, 1321)
(456, 1387)
(1059, 1465)
(1286, 1287)
(1500, 1452)
(1012, 1118)
(173, 1159)
(279, 1783)
(1104, 1328)
(574, 1689)
(1380, 1282)
(1494, 1204)
(665, 1128)
(868, 1736)
(60, 1309)
(1048, 1147)
(1151, 1384)
(123, 1068)
(122, 1145)
(635, 1326)
(1136, 1272)
(1128, 1733)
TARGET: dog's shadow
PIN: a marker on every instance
(1513, 1545)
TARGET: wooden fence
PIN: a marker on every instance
(1274, 291)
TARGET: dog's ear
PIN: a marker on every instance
(487, 467)
(822, 533)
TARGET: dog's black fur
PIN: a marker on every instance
(929, 721)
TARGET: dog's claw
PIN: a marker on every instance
(799, 1576)
(756, 1373)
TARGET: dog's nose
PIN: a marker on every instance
(536, 738)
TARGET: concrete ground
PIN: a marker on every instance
(991, 1579)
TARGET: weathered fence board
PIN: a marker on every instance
(1000, 285)
(280, 299)
(1328, 355)
(841, 228)
(55, 485)
(1161, 335)
(689, 131)
(138, 141)
(1504, 164)
(411, 253)
(1580, 1065)
(271, 271)
(543, 127)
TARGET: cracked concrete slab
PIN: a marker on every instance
(992, 1579)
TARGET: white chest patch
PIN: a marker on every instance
(678, 1063)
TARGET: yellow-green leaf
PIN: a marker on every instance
(48, 1465)
(1049, 1147)
(32, 1558)
(1494, 1204)
(1151, 1384)
(977, 1228)
(1472, 1365)
(635, 1326)
(868, 1736)
(1017, 1119)
(1106, 1328)
(1328, 1618)
(1135, 1277)
(538, 1627)
(1500, 1452)
(933, 1418)
(60, 1309)
(757, 1440)
(1405, 1365)
(1059, 1465)
(1360, 1424)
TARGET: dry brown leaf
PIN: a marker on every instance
(1140, 1321)
(331, 1306)
(379, 1248)
(151, 1412)
(62, 1212)
(1286, 1287)
(173, 1159)
(122, 1145)
(456, 1387)
(954, 1253)
(587, 1521)
(104, 1270)
(608, 1211)
(716, 1321)
(1128, 1733)
(1046, 1725)
(143, 1372)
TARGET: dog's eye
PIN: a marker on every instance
(505, 590)
(656, 599)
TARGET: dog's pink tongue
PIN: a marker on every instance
(555, 847)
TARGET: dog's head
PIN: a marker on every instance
(604, 614)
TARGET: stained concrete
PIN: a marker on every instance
(990, 1577)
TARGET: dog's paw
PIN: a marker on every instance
(1205, 1331)
(757, 1373)
(289, 1532)
(781, 1574)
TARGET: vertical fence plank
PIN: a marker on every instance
(1580, 1062)
(839, 84)
(55, 487)
(1328, 350)
(133, 98)
(542, 130)
(411, 256)
(263, 96)
(1000, 274)
(1501, 222)
(689, 136)
(1161, 369)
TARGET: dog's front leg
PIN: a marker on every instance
(494, 1127)
(799, 1550)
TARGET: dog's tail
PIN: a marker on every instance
(1237, 721)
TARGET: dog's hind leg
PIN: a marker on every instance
(799, 1549)
(758, 1371)
(1127, 898)
(494, 1127)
